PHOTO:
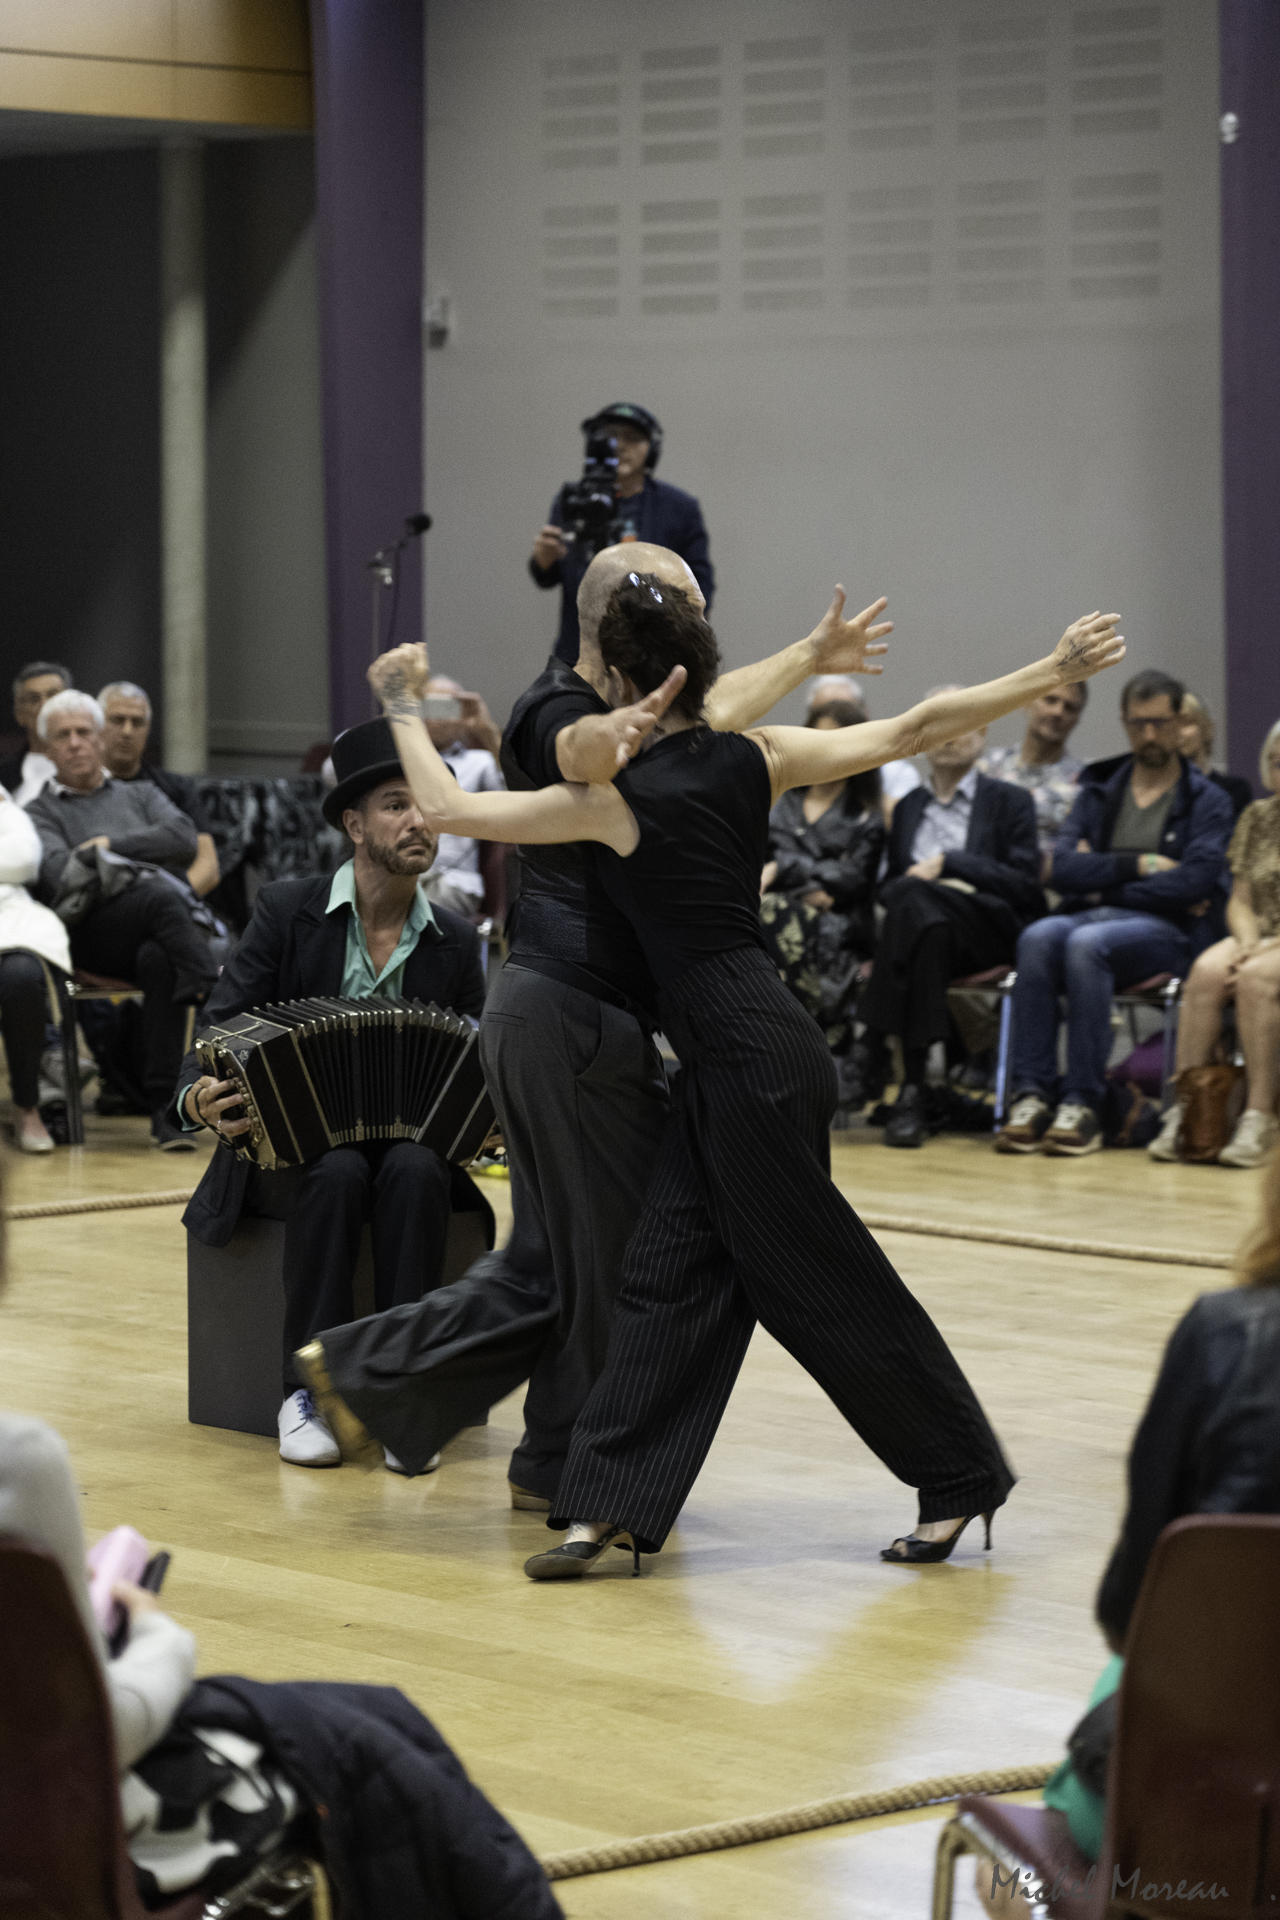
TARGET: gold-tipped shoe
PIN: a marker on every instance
(526, 1502)
(355, 1443)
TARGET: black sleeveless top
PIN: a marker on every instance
(562, 913)
(691, 889)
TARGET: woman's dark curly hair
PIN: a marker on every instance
(649, 627)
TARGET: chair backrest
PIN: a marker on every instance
(1194, 1802)
(61, 1844)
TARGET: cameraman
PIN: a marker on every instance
(647, 509)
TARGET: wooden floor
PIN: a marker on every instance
(767, 1657)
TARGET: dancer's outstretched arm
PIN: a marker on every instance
(806, 756)
(545, 817)
(595, 747)
(836, 645)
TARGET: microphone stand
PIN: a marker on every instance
(385, 569)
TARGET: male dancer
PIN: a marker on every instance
(566, 1043)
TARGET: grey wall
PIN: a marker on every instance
(924, 292)
(79, 473)
(268, 662)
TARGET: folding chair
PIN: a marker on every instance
(72, 990)
(999, 981)
(62, 1846)
(1163, 994)
(1193, 1795)
(1162, 991)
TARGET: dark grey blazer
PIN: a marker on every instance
(290, 950)
(1001, 853)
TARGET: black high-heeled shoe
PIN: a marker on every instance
(571, 1561)
(921, 1553)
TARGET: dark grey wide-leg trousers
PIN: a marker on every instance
(742, 1224)
(582, 1099)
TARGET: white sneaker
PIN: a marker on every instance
(1165, 1144)
(305, 1440)
(394, 1465)
(1255, 1135)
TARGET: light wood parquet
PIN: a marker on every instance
(767, 1657)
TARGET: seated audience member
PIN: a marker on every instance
(1042, 764)
(25, 772)
(128, 728)
(1245, 967)
(469, 745)
(29, 933)
(1209, 1442)
(818, 899)
(897, 777)
(143, 933)
(1196, 744)
(404, 1830)
(368, 930)
(963, 881)
(1139, 865)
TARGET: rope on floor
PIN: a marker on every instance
(100, 1203)
(773, 1826)
(1044, 1242)
(883, 1222)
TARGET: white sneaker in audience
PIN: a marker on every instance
(305, 1440)
(1165, 1144)
(1255, 1135)
(394, 1466)
(31, 1134)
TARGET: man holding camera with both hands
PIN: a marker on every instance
(617, 500)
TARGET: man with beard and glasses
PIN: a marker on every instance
(367, 931)
(1141, 867)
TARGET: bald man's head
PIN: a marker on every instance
(613, 564)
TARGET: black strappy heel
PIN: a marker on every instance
(921, 1553)
(572, 1560)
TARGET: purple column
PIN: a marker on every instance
(1250, 39)
(368, 62)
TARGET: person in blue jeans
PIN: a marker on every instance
(1141, 867)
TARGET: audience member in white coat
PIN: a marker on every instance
(29, 934)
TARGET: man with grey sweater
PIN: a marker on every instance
(145, 933)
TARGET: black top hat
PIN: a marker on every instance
(363, 757)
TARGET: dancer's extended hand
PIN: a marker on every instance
(1088, 646)
(595, 748)
(849, 646)
(399, 678)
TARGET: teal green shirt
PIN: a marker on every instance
(358, 979)
(1086, 1812)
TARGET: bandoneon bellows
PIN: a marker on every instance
(316, 1074)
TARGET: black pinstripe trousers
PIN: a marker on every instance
(743, 1224)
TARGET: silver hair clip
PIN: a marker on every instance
(636, 581)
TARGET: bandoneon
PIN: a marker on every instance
(317, 1074)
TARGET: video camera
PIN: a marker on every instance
(589, 514)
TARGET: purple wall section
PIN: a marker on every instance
(368, 63)
(1250, 40)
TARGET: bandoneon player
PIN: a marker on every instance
(367, 930)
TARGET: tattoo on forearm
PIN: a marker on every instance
(1076, 654)
(393, 690)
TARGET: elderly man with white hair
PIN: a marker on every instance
(127, 709)
(143, 933)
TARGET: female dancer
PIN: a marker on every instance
(743, 1222)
